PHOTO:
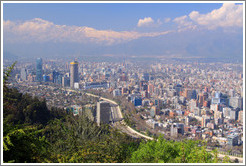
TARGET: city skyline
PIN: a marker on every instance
(181, 100)
(123, 82)
(207, 30)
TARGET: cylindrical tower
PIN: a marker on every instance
(74, 75)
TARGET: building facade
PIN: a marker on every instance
(74, 73)
(39, 70)
(103, 112)
(177, 128)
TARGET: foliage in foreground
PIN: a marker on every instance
(163, 151)
(32, 133)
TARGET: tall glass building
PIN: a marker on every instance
(39, 70)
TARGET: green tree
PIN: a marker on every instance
(161, 150)
(226, 159)
(215, 155)
(7, 73)
(24, 145)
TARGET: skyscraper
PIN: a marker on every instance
(55, 76)
(65, 81)
(103, 112)
(39, 70)
(74, 74)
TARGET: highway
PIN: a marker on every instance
(118, 119)
(232, 158)
(119, 123)
(116, 116)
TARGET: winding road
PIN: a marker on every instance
(119, 123)
(118, 119)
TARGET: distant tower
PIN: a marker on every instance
(23, 74)
(146, 76)
(39, 70)
(74, 74)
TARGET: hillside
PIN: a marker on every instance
(34, 134)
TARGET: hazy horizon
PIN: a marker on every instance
(139, 30)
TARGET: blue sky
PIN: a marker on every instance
(162, 29)
(102, 16)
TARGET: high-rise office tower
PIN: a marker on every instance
(103, 112)
(55, 76)
(39, 70)
(74, 74)
(65, 81)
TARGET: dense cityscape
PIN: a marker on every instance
(123, 82)
(193, 100)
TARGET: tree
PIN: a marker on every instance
(161, 150)
(7, 73)
(215, 153)
(24, 145)
(226, 159)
